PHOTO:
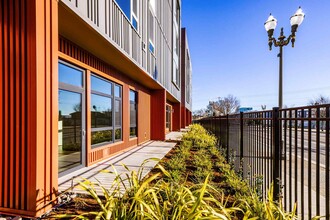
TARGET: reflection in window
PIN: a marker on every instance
(101, 111)
(135, 14)
(70, 127)
(133, 113)
(151, 31)
(69, 75)
(125, 6)
(100, 85)
(99, 137)
(118, 112)
(106, 111)
(118, 134)
(117, 91)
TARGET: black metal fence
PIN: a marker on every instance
(287, 147)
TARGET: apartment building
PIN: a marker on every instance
(80, 81)
(186, 81)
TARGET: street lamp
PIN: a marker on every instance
(270, 26)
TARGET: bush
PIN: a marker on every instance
(163, 195)
(153, 198)
(203, 160)
(199, 137)
(177, 162)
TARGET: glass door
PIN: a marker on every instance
(168, 118)
(71, 123)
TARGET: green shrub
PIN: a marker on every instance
(177, 162)
(214, 151)
(163, 195)
(254, 207)
(176, 175)
(183, 152)
(153, 198)
(202, 159)
(199, 137)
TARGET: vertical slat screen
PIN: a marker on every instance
(13, 36)
(27, 53)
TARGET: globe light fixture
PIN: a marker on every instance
(281, 41)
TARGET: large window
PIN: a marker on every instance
(133, 113)
(105, 111)
(135, 14)
(176, 43)
(151, 26)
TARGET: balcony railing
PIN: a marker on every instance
(107, 17)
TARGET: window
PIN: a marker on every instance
(188, 78)
(125, 6)
(176, 74)
(151, 28)
(176, 43)
(135, 14)
(71, 111)
(131, 10)
(133, 113)
(70, 75)
(106, 111)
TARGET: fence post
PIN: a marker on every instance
(276, 153)
(241, 136)
(227, 137)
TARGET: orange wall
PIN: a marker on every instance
(28, 171)
(183, 117)
(82, 58)
(144, 118)
(158, 107)
(176, 117)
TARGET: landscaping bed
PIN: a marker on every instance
(192, 181)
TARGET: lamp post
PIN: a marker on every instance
(270, 26)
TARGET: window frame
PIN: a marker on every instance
(135, 102)
(82, 91)
(113, 98)
(152, 23)
(176, 47)
(135, 16)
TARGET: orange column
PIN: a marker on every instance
(183, 116)
(158, 107)
(29, 81)
(176, 117)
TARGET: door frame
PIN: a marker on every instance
(169, 112)
(82, 92)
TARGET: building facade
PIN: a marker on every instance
(186, 81)
(80, 81)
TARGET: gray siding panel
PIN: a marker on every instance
(107, 18)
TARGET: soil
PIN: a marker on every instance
(80, 204)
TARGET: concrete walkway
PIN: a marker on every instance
(176, 136)
(131, 158)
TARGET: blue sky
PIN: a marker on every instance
(230, 55)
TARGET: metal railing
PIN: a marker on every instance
(287, 147)
(107, 17)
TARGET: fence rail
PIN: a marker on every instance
(287, 147)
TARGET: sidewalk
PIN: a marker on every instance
(131, 158)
